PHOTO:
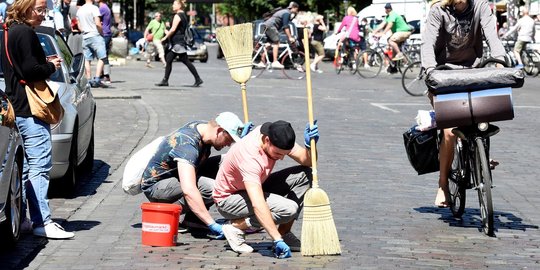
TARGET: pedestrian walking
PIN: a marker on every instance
(182, 171)
(156, 28)
(23, 59)
(319, 28)
(252, 197)
(106, 33)
(175, 35)
(88, 17)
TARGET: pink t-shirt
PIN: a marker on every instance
(350, 23)
(245, 161)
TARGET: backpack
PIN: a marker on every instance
(188, 37)
(269, 14)
(188, 34)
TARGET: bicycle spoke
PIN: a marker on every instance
(369, 64)
(294, 67)
(412, 80)
(457, 182)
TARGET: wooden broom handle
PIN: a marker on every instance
(244, 102)
(310, 109)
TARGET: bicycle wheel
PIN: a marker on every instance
(293, 65)
(352, 64)
(457, 180)
(529, 66)
(412, 80)
(370, 64)
(482, 175)
(413, 56)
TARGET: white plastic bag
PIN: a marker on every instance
(132, 179)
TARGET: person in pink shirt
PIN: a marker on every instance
(252, 197)
(351, 32)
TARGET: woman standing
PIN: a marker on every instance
(178, 45)
(24, 59)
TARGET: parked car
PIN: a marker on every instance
(73, 137)
(11, 158)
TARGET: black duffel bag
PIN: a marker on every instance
(422, 149)
(447, 81)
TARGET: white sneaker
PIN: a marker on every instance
(277, 65)
(292, 241)
(313, 68)
(53, 231)
(366, 66)
(26, 226)
(354, 66)
(236, 239)
(260, 65)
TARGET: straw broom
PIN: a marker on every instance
(237, 44)
(319, 233)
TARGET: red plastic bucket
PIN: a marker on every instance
(160, 224)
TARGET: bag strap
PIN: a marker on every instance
(23, 82)
(352, 24)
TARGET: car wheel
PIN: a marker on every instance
(88, 162)
(64, 186)
(204, 60)
(10, 229)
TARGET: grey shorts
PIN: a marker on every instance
(272, 33)
(284, 193)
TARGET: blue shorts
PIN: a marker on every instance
(94, 47)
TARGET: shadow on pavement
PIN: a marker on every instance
(87, 184)
(471, 219)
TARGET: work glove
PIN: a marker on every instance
(246, 129)
(216, 231)
(281, 249)
(311, 132)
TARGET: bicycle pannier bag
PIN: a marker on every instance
(463, 109)
(422, 149)
(44, 102)
(469, 80)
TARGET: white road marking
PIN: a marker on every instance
(386, 106)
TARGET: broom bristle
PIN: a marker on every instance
(319, 233)
(237, 45)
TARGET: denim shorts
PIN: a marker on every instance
(94, 47)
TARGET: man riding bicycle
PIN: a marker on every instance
(399, 27)
(271, 27)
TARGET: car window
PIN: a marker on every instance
(64, 48)
(48, 48)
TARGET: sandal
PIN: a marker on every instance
(440, 200)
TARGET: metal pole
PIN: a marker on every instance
(134, 14)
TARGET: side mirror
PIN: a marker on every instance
(77, 65)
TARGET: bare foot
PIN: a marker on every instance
(440, 200)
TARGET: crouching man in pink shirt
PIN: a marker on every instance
(251, 197)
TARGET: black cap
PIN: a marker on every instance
(280, 133)
(388, 6)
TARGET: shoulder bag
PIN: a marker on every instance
(43, 101)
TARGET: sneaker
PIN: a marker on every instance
(292, 241)
(106, 79)
(277, 65)
(26, 226)
(398, 57)
(354, 66)
(162, 83)
(236, 239)
(96, 82)
(148, 65)
(313, 68)
(260, 65)
(366, 66)
(53, 231)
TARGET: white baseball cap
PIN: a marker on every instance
(231, 123)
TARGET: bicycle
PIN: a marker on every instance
(343, 57)
(370, 66)
(291, 58)
(471, 169)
